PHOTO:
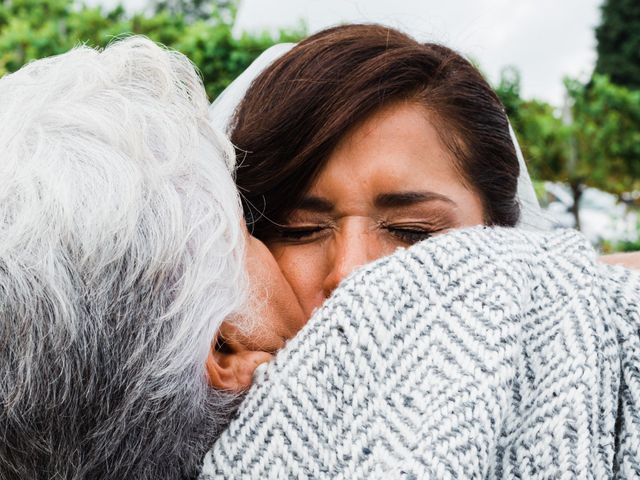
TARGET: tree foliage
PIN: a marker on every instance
(595, 142)
(618, 38)
(606, 131)
(203, 9)
(32, 29)
(540, 130)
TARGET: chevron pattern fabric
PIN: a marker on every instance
(483, 353)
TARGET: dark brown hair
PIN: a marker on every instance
(297, 111)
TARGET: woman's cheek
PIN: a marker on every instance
(304, 267)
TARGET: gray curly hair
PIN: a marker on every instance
(121, 252)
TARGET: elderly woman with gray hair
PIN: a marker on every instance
(121, 252)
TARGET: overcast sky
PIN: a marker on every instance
(545, 39)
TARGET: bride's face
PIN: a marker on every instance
(389, 183)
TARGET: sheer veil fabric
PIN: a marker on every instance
(222, 109)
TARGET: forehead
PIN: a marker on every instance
(397, 148)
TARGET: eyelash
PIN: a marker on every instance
(299, 234)
(409, 234)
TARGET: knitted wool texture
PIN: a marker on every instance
(484, 353)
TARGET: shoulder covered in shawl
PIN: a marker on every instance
(485, 352)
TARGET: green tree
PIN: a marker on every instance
(31, 29)
(606, 136)
(618, 38)
(595, 143)
(538, 126)
(508, 90)
(203, 9)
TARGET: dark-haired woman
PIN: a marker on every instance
(367, 111)
(361, 113)
(485, 352)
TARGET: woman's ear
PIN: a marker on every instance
(230, 364)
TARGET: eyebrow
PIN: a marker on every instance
(382, 200)
(407, 199)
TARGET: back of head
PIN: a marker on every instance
(298, 110)
(120, 254)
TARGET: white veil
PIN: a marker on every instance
(222, 109)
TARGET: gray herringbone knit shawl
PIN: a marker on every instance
(484, 353)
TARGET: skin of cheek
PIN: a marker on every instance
(303, 266)
(273, 314)
(248, 338)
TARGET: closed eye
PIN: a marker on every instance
(300, 234)
(409, 234)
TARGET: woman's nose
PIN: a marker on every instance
(352, 248)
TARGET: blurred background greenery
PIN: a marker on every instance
(201, 29)
(588, 146)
